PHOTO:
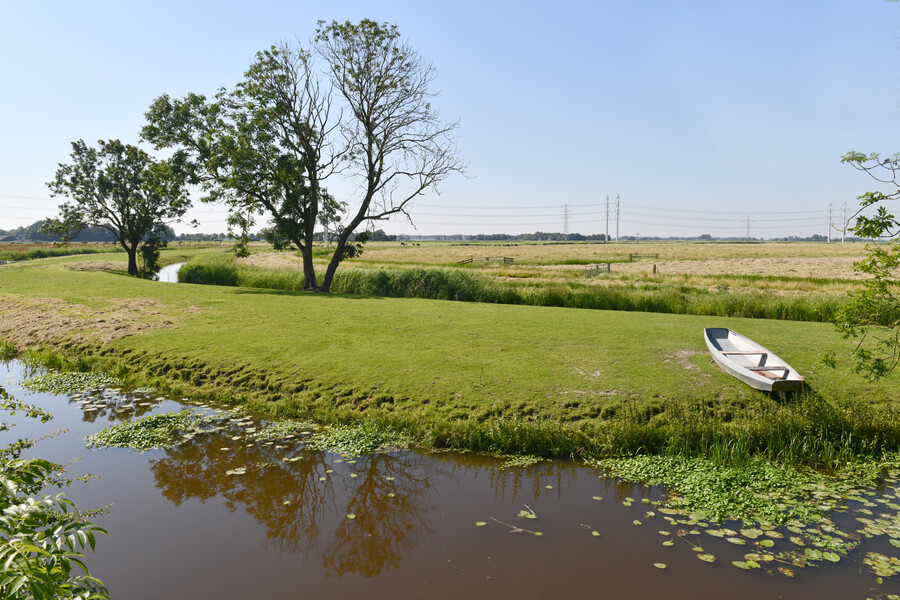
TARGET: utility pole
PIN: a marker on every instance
(618, 212)
(606, 239)
(748, 228)
(566, 220)
(844, 222)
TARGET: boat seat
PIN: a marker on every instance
(785, 370)
(745, 352)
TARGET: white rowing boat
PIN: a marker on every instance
(743, 358)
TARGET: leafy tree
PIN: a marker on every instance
(41, 539)
(119, 188)
(873, 314)
(268, 146)
(263, 148)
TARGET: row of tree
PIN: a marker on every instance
(268, 147)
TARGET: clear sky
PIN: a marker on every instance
(702, 116)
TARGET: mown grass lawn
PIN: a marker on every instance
(429, 364)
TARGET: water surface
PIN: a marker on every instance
(182, 527)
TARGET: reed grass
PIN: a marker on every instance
(464, 286)
(34, 253)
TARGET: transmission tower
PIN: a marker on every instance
(566, 220)
(830, 222)
(844, 222)
(606, 239)
(618, 212)
(748, 227)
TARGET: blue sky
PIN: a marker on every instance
(701, 116)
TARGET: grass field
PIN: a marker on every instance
(798, 281)
(502, 378)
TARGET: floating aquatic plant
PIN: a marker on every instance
(146, 433)
(70, 382)
(527, 513)
(519, 461)
(358, 440)
(882, 565)
(280, 430)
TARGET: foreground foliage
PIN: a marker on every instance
(42, 539)
(873, 315)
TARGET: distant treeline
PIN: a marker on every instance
(96, 234)
(33, 233)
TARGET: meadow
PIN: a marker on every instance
(792, 281)
(503, 378)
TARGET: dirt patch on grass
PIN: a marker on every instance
(96, 265)
(682, 359)
(272, 260)
(50, 321)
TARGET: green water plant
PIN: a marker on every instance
(42, 538)
(7, 351)
(282, 429)
(147, 433)
(358, 439)
(70, 382)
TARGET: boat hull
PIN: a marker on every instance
(744, 359)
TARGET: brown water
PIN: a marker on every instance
(182, 527)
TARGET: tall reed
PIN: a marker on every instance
(463, 286)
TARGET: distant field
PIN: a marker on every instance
(555, 253)
(817, 275)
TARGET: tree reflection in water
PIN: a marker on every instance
(385, 527)
(302, 512)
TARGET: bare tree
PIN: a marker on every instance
(396, 144)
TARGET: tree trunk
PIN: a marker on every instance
(309, 271)
(338, 253)
(332, 266)
(132, 260)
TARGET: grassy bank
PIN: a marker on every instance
(48, 251)
(465, 286)
(493, 377)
